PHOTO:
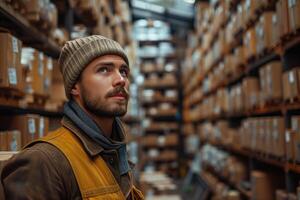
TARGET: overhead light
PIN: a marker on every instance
(190, 1)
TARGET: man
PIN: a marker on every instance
(86, 157)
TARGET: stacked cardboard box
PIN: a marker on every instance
(270, 80)
(38, 72)
(265, 135)
(10, 67)
(28, 126)
(264, 31)
(291, 85)
(294, 14)
(262, 186)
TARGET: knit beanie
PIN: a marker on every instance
(77, 54)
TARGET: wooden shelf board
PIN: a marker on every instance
(28, 110)
(29, 35)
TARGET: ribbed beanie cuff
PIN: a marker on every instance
(77, 54)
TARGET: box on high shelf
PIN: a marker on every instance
(291, 85)
(283, 17)
(294, 14)
(278, 137)
(38, 72)
(251, 96)
(10, 57)
(295, 128)
(250, 43)
(33, 8)
(275, 37)
(290, 145)
(249, 9)
(264, 32)
(271, 88)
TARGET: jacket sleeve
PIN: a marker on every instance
(32, 174)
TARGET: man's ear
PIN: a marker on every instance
(75, 90)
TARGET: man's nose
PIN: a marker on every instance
(119, 79)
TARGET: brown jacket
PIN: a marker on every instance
(41, 171)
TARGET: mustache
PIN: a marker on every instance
(118, 90)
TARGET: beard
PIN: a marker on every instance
(101, 107)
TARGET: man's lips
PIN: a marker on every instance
(120, 95)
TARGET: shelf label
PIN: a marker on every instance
(15, 45)
(50, 64)
(41, 64)
(14, 142)
(161, 140)
(31, 126)
(287, 136)
(42, 127)
(291, 77)
(12, 76)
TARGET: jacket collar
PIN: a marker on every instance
(91, 147)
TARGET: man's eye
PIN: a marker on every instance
(102, 69)
(124, 72)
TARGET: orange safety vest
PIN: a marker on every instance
(93, 176)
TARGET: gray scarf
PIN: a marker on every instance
(74, 112)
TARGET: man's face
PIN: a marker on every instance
(103, 86)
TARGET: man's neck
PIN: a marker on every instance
(105, 124)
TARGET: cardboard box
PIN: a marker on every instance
(289, 142)
(275, 37)
(264, 32)
(10, 57)
(47, 79)
(250, 43)
(3, 141)
(295, 127)
(249, 8)
(291, 85)
(43, 127)
(269, 76)
(262, 187)
(278, 136)
(250, 86)
(14, 140)
(283, 17)
(294, 14)
(38, 72)
(27, 124)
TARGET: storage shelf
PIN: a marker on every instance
(6, 109)
(155, 42)
(156, 71)
(160, 86)
(154, 57)
(263, 158)
(161, 129)
(160, 146)
(157, 101)
(293, 42)
(29, 35)
(243, 191)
